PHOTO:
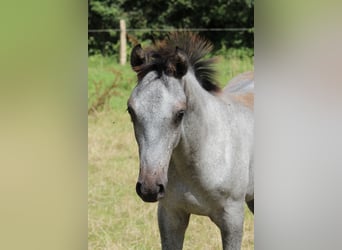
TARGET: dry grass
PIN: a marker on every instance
(117, 218)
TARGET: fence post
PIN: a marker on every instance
(123, 55)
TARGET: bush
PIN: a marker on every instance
(160, 14)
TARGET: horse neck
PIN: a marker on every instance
(203, 110)
(198, 99)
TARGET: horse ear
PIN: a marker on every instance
(181, 63)
(137, 57)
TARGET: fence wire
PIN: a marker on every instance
(172, 29)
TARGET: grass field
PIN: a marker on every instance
(117, 218)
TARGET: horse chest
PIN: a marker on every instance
(201, 204)
(195, 196)
(201, 184)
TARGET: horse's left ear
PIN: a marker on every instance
(137, 56)
(181, 63)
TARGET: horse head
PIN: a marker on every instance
(157, 106)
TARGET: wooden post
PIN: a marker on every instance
(123, 54)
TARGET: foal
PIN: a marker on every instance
(195, 140)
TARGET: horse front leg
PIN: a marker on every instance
(230, 222)
(172, 226)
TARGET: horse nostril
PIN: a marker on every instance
(161, 191)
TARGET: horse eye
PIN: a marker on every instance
(179, 115)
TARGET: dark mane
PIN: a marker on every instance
(194, 46)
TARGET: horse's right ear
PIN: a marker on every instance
(181, 63)
(137, 57)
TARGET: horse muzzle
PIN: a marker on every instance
(150, 193)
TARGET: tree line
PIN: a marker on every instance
(172, 14)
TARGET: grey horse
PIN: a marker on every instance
(195, 140)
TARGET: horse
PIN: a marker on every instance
(195, 139)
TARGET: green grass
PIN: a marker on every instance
(105, 71)
(117, 218)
